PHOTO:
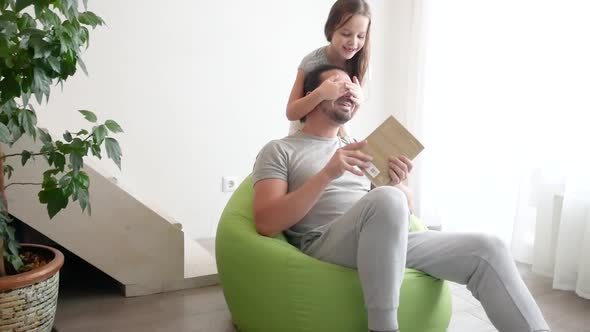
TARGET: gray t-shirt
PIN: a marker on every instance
(300, 156)
(313, 60)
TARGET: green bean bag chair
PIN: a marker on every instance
(271, 286)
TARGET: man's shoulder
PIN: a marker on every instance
(289, 146)
(283, 146)
(274, 160)
(280, 143)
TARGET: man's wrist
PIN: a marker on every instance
(324, 178)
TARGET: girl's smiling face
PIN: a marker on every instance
(348, 39)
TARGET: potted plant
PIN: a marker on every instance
(40, 45)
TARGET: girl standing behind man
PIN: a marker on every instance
(348, 30)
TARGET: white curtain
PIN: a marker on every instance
(505, 121)
(552, 227)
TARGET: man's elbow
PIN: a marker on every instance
(264, 231)
(263, 228)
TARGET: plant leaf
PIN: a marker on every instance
(8, 170)
(59, 161)
(10, 88)
(28, 120)
(63, 148)
(41, 83)
(113, 150)
(55, 200)
(26, 155)
(44, 136)
(99, 134)
(41, 48)
(49, 180)
(89, 18)
(22, 4)
(26, 97)
(66, 184)
(16, 262)
(96, 151)
(113, 126)
(54, 64)
(8, 107)
(84, 198)
(83, 180)
(13, 247)
(15, 129)
(26, 22)
(4, 220)
(5, 135)
(82, 132)
(79, 146)
(49, 18)
(76, 161)
(91, 117)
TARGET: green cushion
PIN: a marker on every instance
(271, 286)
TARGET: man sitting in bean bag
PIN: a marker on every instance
(309, 186)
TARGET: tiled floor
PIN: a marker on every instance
(564, 311)
(102, 309)
(468, 315)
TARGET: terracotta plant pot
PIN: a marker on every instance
(28, 300)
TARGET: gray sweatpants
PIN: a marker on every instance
(373, 238)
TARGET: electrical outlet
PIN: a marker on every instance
(229, 183)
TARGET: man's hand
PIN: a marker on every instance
(399, 169)
(345, 159)
(332, 89)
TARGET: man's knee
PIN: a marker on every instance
(389, 207)
(491, 246)
(387, 197)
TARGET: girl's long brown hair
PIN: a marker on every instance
(341, 12)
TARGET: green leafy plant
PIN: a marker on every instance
(40, 45)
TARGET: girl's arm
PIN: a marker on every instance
(299, 104)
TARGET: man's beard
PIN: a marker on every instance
(337, 116)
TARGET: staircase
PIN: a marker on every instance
(123, 237)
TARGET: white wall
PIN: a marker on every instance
(200, 87)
